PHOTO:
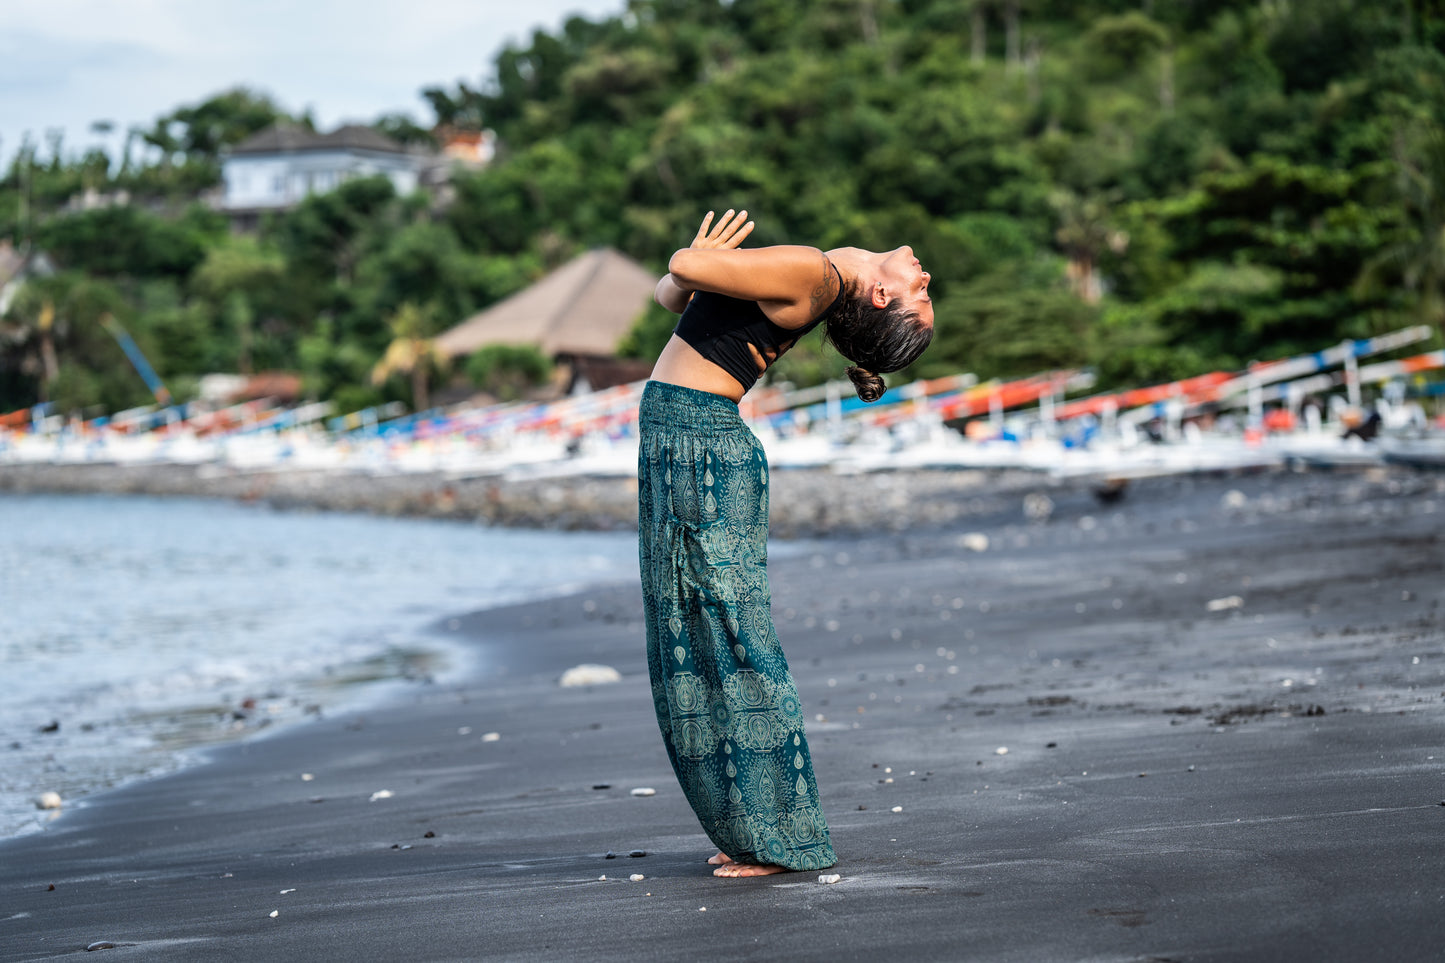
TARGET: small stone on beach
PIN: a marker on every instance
(285, 891)
(381, 794)
(637, 877)
(274, 913)
(603, 785)
(1001, 751)
(829, 878)
(644, 791)
(100, 945)
(897, 809)
(491, 736)
(48, 800)
(637, 852)
(589, 674)
(307, 777)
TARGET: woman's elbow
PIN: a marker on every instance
(682, 264)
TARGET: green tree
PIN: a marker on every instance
(411, 354)
(72, 361)
(1414, 256)
(507, 371)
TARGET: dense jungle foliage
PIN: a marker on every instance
(1152, 188)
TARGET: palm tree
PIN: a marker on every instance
(1417, 258)
(28, 329)
(411, 352)
(1084, 233)
(49, 363)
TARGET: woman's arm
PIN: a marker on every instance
(792, 284)
(727, 234)
(670, 295)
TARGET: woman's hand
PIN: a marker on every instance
(729, 232)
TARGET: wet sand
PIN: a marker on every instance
(1221, 701)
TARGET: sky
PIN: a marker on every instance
(69, 63)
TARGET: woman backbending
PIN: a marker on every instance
(725, 701)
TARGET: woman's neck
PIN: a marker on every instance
(851, 262)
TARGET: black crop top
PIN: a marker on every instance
(721, 328)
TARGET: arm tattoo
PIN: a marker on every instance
(822, 293)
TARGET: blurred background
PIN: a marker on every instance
(1148, 189)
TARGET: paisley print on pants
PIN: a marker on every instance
(725, 700)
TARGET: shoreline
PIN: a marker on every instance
(804, 502)
(1184, 779)
(143, 629)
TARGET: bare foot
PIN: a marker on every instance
(747, 869)
(721, 859)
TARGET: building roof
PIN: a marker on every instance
(585, 307)
(293, 138)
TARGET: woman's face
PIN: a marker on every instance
(902, 276)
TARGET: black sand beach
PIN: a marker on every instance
(1221, 701)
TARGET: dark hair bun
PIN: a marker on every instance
(870, 387)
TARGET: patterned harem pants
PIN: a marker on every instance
(725, 700)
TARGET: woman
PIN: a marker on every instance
(726, 703)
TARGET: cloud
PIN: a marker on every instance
(66, 63)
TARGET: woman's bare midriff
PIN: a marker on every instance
(680, 364)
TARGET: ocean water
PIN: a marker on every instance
(134, 630)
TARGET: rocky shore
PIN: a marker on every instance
(805, 502)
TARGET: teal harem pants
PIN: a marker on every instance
(725, 701)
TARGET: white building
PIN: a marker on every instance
(274, 169)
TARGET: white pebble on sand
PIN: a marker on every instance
(637, 877)
(1001, 751)
(491, 736)
(1228, 602)
(974, 541)
(644, 791)
(829, 878)
(381, 794)
(275, 913)
(898, 809)
(49, 800)
(589, 674)
(307, 777)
